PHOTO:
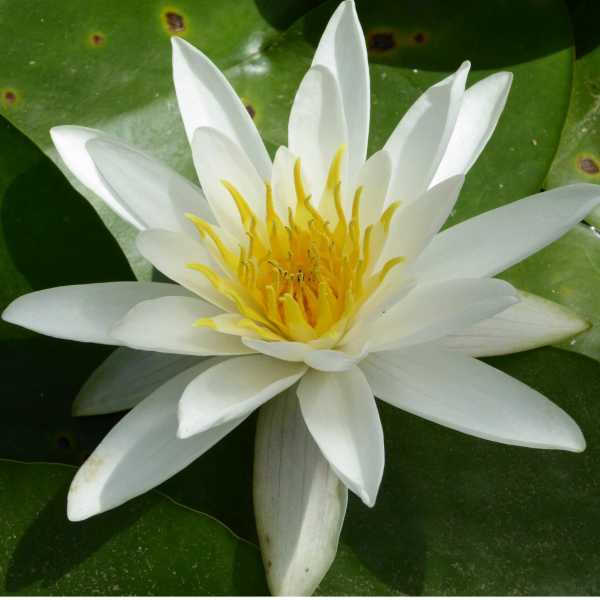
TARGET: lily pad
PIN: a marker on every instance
(63, 71)
(567, 272)
(578, 154)
(151, 546)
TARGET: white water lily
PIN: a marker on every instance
(323, 274)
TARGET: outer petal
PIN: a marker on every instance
(462, 393)
(231, 389)
(218, 159)
(70, 141)
(171, 252)
(495, 240)
(531, 323)
(341, 414)
(299, 502)
(419, 142)
(125, 378)
(316, 127)
(431, 311)
(342, 50)
(83, 312)
(153, 193)
(140, 452)
(413, 226)
(206, 99)
(481, 108)
(167, 325)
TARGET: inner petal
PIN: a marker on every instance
(304, 279)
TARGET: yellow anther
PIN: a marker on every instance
(246, 213)
(205, 229)
(386, 217)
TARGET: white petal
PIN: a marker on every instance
(153, 193)
(70, 142)
(342, 50)
(495, 240)
(83, 312)
(232, 388)
(140, 452)
(299, 502)
(341, 414)
(316, 127)
(462, 393)
(419, 142)
(282, 182)
(374, 177)
(125, 378)
(167, 325)
(481, 108)
(413, 226)
(206, 99)
(322, 360)
(531, 323)
(432, 311)
(171, 252)
(218, 159)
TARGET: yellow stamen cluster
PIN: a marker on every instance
(302, 279)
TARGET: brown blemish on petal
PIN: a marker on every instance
(175, 22)
(588, 165)
(379, 42)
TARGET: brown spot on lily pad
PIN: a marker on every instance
(175, 21)
(9, 97)
(251, 110)
(588, 165)
(381, 41)
(97, 39)
(420, 38)
(64, 441)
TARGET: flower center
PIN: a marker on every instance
(302, 278)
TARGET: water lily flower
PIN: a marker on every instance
(320, 280)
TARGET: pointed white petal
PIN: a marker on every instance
(125, 378)
(413, 226)
(531, 323)
(218, 159)
(171, 253)
(167, 325)
(322, 360)
(316, 127)
(374, 177)
(70, 142)
(481, 108)
(206, 99)
(341, 414)
(431, 311)
(495, 240)
(282, 182)
(419, 142)
(342, 50)
(299, 502)
(462, 393)
(84, 313)
(153, 193)
(140, 452)
(232, 388)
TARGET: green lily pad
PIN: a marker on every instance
(578, 154)
(151, 546)
(567, 272)
(109, 67)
